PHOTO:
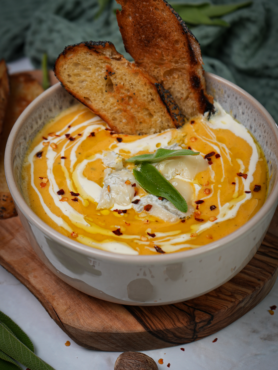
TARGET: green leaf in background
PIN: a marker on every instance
(154, 183)
(17, 331)
(4, 365)
(12, 347)
(195, 16)
(202, 13)
(45, 76)
(160, 155)
(220, 10)
(11, 363)
(102, 6)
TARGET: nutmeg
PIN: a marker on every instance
(134, 361)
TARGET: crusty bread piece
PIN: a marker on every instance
(23, 90)
(161, 44)
(125, 97)
(4, 91)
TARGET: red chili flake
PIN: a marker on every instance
(197, 207)
(182, 221)
(215, 340)
(92, 134)
(74, 194)
(257, 188)
(120, 211)
(112, 132)
(212, 208)
(217, 155)
(136, 201)
(67, 135)
(192, 122)
(69, 126)
(168, 365)
(117, 232)
(119, 139)
(189, 148)
(247, 192)
(135, 193)
(148, 207)
(199, 201)
(63, 157)
(158, 249)
(210, 163)
(199, 219)
(160, 361)
(152, 235)
(42, 184)
(161, 198)
(39, 154)
(133, 185)
(233, 183)
(75, 199)
(182, 349)
(211, 154)
(79, 134)
(61, 192)
(45, 138)
(71, 138)
(244, 175)
(273, 308)
(108, 129)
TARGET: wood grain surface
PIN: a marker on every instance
(105, 326)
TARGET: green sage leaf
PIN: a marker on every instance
(161, 155)
(220, 10)
(16, 330)
(102, 6)
(195, 16)
(13, 347)
(5, 365)
(12, 364)
(45, 76)
(153, 182)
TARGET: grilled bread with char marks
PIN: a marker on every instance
(23, 90)
(123, 95)
(162, 45)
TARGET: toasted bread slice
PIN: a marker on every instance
(4, 91)
(161, 44)
(125, 97)
(23, 90)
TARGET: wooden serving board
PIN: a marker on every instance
(105, 326)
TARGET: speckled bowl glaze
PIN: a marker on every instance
(145, 280)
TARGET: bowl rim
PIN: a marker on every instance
(117, 257)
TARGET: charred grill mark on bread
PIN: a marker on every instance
(171, 105)
(122, 94)
(161, 44)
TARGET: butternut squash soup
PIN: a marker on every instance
(82, 180)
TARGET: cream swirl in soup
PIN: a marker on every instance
(75, 178)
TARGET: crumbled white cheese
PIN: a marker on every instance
(112, 160)
(116, 191)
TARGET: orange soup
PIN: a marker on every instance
(76, 179)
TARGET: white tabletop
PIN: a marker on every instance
(251, 343)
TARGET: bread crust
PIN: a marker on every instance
(4, 91)
(161, 43)
(23, 90)
(105, 54)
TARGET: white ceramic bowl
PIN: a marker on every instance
(144, 280)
